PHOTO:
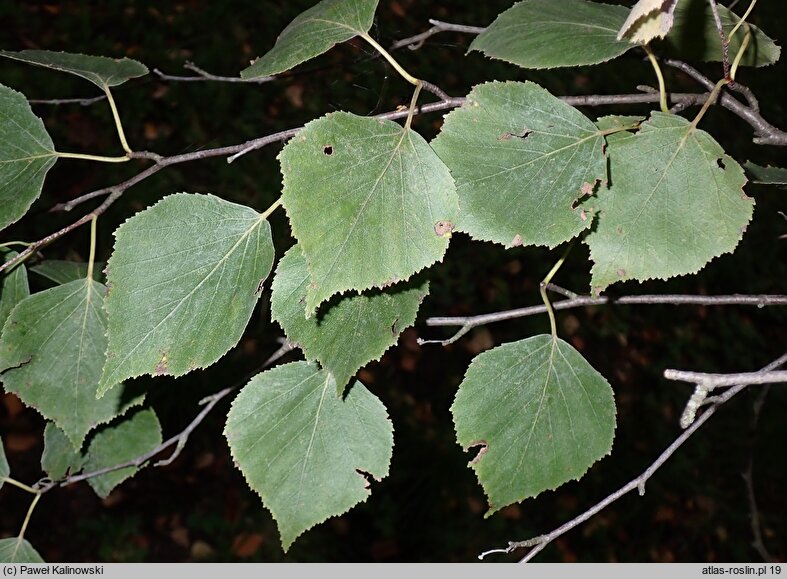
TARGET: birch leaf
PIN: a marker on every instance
(353, 330)
(26, 154)
(185, 276)
(695, 37)
(540, 414)
(59, 458)
(648, 20)
(5, 470)
(370, 203)
(16, 550)
(675, 203)
(313, 32)
(119, 443)
(521, 159)
(548, 34)
(102, 71)
(60, 271)
(309, 454)
(13, 286)
(51, 353)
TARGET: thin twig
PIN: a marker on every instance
(539, 543)
(469, 322)
(417, 41)
(204, 76)
(766, 133)
(748, 478)
(725, 43)
(179, 440)
(711, 381)
(84, 102)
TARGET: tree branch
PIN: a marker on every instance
(84, 102)
(417, 41)
(467, 323)
(539, 543)
(204, 76)
(711, 381)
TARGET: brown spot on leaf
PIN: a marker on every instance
(443, 228)
(161, 367)
(621, 272)
(481, 451)
(583, 215)
(517, 241)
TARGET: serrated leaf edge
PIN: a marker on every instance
(367, 490)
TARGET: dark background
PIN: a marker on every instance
(430, 508)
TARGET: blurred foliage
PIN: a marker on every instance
(430, 508)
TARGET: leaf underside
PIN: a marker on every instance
(102, 71)
(304, 450)
(370, 204)
(676, 202)
(117, 443)
(521, 159)
(313, 32)
(540, 414)
(26, 154)
(548, 34)
(52, 351)
(184, 277)
(648, 20)
(352, 330)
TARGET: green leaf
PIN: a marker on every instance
(102, 71)
(26, 154)
(307, 452)
(694, 36)
(350, 332)
(16, 550)
(313, 32)
(51, 354)
(119, 443)
(521, 159)
(62, 272)
(675, 203)
(59, 458)
(549, 34)
(5, 470)
(540, 414)
(369, 202)
(765, 175)
(13, 286)
(185, 277)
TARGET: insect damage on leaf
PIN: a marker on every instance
(443, 228)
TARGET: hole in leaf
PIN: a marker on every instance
(720, 163)
(328, 150)
(368, 478)
(482, 446)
